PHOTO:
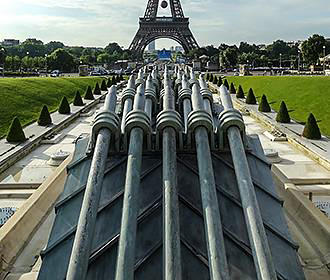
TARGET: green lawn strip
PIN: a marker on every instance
(302, 95)
(25, 97)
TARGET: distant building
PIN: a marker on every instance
(10, 42)
(152, 46)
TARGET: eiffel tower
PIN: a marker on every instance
(152, 27)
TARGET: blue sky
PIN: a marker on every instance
(98, 22)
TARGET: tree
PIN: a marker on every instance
(283, 114)
(207, 76)
(2, 56)
(78, 100)
(264, 105)
(215, 80)
(219, 82)
(312, 48)
(53, 46)
(89, 94)
(44, 117)
(15, 133)
(230, 56)
(103, 58)
(104, 85)
(240, 92)
(61, 60)
(251, 99)
(64, 106)
(311, 129)
(113, 47)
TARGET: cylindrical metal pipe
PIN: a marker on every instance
(257, 235)
(212, 219)
(172, 251)
(78, 264)
(148, 107)
(126, 248)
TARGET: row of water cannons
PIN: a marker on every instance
(188, 104)
(139, 103)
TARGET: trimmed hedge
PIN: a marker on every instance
(240, 92)
(311, 129)
(89, 94)
(15, 132)
(283, 114)
(104, 85)
(78, 100)
(64, 106)
(251, 99)
(44, 117)
(97, 90)
(264, 105)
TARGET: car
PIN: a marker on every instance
(55, 73)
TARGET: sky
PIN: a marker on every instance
(99, 22)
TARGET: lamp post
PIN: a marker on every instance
(3, 65)
(46, 55)
(324, 59)
(298, 60)
(280, 60)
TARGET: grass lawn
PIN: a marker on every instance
(302, 95)
(24, 97)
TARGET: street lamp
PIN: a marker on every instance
(324, 59)
(3, 66)
(280, 60)
(298, 60)
(46, 64)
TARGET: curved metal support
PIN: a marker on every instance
(257, 235)
(212, 219)
(80, 253)
(185, 100)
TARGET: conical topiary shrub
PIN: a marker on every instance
(15, 132)
(97, 90)
(219, 82)
(109, 83)
(211, 78)
(251, 99)
(283, 114)
(64, 106)
(240, 92)
(118, 79)
(44, 117)
(225, 83)
(215, 80)
(232, 89)
(78, 100)
(207, 76)
(121, 77)
(104, 85)
(264, 105)
(89, 94)
(114, 80)
(311, 129)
